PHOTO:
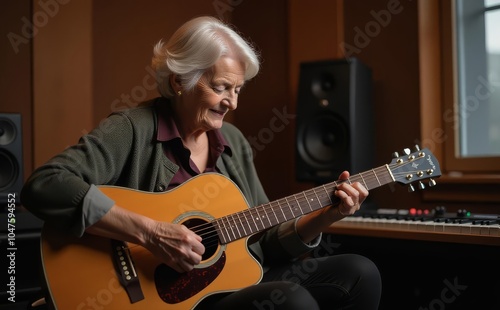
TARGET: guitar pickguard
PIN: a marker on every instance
(174, 287)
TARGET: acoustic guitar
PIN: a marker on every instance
(98, 273)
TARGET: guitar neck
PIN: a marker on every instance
(262, 217)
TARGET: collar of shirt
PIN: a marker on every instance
(167, 130)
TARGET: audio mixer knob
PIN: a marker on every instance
(440, 210)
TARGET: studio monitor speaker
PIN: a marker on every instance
(11, 157)
(334, 120)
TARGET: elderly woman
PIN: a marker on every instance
(169, 140)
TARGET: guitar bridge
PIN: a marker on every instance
(125, 270)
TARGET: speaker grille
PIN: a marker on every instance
(11, 159)
(8, 131)
(334, 119)
(9, 171)
(324, 140)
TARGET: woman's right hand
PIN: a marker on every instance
(176, 245)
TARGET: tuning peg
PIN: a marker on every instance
(407, 151)
(421, 185)
(411, 188)
(417, 148)
(432, 183)
(395, 155)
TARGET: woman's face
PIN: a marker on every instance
(215, 94)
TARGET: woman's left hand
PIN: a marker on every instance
(351, 195)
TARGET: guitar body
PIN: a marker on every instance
(212, 206)
(80, 272)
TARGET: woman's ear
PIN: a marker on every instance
(175, 82)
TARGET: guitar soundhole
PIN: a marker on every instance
(208, 234)
(174, 287)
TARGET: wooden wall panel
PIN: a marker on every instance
(95, 57)
(384, 35)
(92, 58)
(15, 66)
(264, 106)
(62, 75)
(286, 33)
(315, 32)
(124, 34)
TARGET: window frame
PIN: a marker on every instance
(463, 179)
(476, 68)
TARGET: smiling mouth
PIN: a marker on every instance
(221, 113)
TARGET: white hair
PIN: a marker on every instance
(195, 47)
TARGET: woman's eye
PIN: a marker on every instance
(219, 89)
(222, 88)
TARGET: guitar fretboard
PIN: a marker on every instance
(262, 217)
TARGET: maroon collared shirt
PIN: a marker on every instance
(175, 150)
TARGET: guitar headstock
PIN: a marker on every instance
(415, 167)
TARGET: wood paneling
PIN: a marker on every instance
(384, 35)
(62, 75)
(264, 107)
(123, 36)
(15, 66)
(315, 32)
(93, 57)
(287, 33)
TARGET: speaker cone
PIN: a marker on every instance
(323, 85)
(7, 131)
(324, 140)
(8, 170)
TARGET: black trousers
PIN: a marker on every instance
(346, 281)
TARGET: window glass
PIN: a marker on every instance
(492, 21)
(478, 54)
(490, 3)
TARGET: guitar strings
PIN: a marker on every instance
(211, 238)
(233, 225)
(269, 206)
(265, 208)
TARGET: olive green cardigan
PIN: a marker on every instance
(123, 151)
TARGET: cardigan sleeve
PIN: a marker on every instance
(62, 192)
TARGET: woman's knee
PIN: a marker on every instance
(367, 290)
(285, 295)
(367, 269)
